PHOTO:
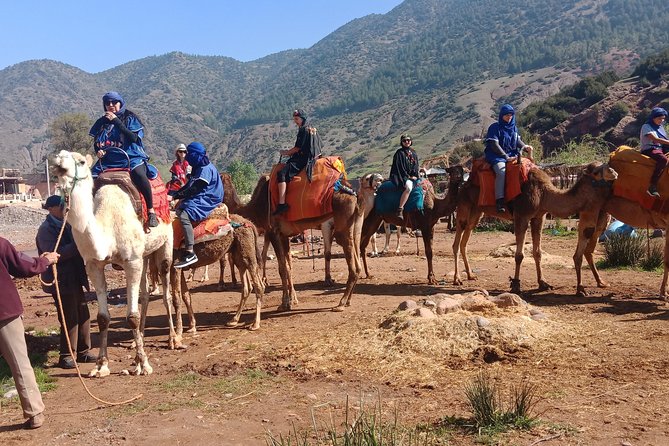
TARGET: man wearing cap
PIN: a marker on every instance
(72, 279)
(404, 170)
(307, 148)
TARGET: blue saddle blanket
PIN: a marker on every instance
(387, 198)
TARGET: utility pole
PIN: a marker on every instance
(48, 186)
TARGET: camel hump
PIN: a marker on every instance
(120, 178)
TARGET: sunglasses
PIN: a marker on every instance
(406, 140)
(112, 102)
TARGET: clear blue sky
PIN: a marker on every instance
(97, 35)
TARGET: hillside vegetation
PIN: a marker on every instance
(417, 68)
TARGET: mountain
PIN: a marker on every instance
(435, 68)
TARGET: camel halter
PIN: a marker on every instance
(61, 311)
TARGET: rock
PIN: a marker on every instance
(506, 300)
(477, 302)
(41, 313)
(408, 305)
(539, 316)
(425, 313)
(430, 304)
(312, 396)
(11, 393)
(447, 305)
(482, 322)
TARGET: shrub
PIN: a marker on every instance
(654, 256)
(623, 250)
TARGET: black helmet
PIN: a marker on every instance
(405, 137)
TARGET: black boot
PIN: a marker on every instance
(499, 203)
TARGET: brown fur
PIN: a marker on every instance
(347, 225)
(434, 209)
(631, 213)
(241, 243)
(537, 198)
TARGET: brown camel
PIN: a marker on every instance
(538, 197)
(434, 209)
(368, 185)
(629, 212)
(241, 243)
(347, 214)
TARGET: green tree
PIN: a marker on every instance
(244, 176)
(69, 131)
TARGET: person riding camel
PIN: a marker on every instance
(303, 155)
(118, 144)
(503, 144)
(180, 169)
(199, 197)
(655, 144)
(404, 170)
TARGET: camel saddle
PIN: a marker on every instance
(204, 230)
(309, 199)
(483, 176)
(634, 172)
(121, 178)
(387, 198)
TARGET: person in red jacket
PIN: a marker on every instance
(12, 338)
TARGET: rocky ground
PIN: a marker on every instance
(599, 362)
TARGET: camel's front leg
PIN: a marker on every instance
(520, 228)
(175, 281)
(353, 268)
(588, 235)
(428, 234)
(96, 275)
(537, 225)
(326, 230)
(133, 274)
(663, 287)
(369, 227)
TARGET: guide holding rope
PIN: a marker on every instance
(12, 338)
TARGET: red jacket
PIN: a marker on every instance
(17, 264)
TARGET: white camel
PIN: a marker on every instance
(107, 230)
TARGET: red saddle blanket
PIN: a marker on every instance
(634, 172)
(309, 199)
(205, 230)
(483, 176)
(121, 178)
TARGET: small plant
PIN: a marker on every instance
(654, 257)
(490, 414)
(623, 250)
(494, 224)
(559, 229)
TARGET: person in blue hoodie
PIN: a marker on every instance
(198, 197)
(118, 144)
(503, 144)
(655, 144)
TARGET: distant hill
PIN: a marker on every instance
(435, 68)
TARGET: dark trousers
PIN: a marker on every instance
(189, 235)
(78, 320)
(293, 166)
(661, 162)
(141, 181)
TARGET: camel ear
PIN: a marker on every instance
(89, 159)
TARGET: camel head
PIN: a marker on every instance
(67, 166)
(600, 172)
(456, 174)
(371, 181)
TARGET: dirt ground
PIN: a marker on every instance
(600, 362)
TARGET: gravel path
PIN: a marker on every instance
(19, 224)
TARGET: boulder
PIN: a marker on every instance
(408, 305)
(425, 313)
(448, 305)
(506, 300)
